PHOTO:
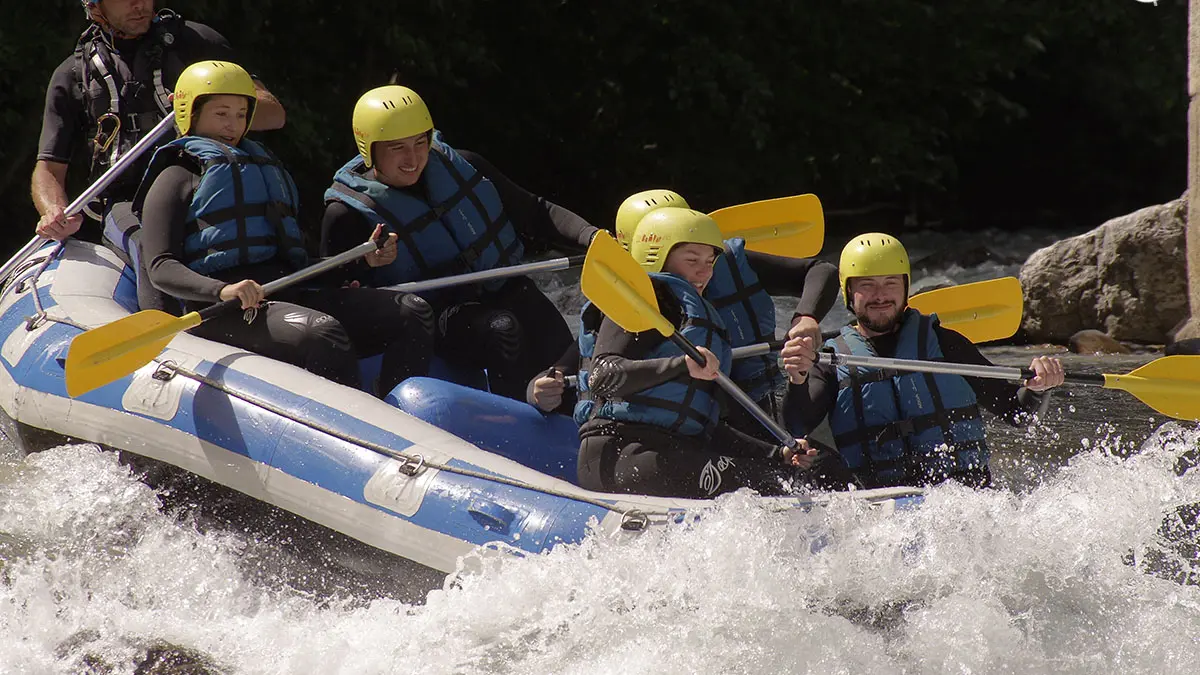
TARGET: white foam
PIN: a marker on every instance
(971, 582)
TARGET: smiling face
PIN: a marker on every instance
(399, 162)
(126, 18)
(693, 262)
(221, 117)
(878, 302)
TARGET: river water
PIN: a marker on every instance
(1070, 566)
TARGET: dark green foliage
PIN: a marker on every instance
(981, 112)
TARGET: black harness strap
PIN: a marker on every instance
(494, 227)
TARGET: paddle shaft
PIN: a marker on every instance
(489, 275)
(964, 369)
(293, 278)
(93, 190)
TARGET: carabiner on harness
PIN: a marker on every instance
(104, 139)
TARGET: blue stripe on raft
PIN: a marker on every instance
(125, 292)
(471, 509)
(545, 442)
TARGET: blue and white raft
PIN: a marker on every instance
(430, 474)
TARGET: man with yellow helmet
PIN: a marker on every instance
(113, 89)
(652, 424)
(454, 213)
(894, 427)
(219, 218)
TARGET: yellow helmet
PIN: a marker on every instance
(665, 228)
(206, 78)
(872, 255)
(388, 113)
(636, 206)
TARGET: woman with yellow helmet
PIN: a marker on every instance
(741, 289)
(454, 213)
(652, 424)
(218, 216)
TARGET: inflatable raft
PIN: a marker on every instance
(431, 473)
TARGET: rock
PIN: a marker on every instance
(1189, 347)
(1092, 341)
(1127, 278)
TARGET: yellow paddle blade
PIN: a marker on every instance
(789, 226)
(615, 283)
(1170, 385)
(982, 311)
(114, 350)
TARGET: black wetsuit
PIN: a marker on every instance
(514, 331)
(324, 330)
(646, 459)
(806, 405)
(67, 118)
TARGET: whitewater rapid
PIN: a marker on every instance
(96, 575)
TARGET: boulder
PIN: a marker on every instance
(1127, 279)
(1188, 347)
(1092, 341)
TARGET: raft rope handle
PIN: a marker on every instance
(32, 322)
(633, 520)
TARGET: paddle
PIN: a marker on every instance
(996, 316)
(616, 284)
(114, 350)
(1170, 385)
(982, 311)
(788, 226)
(94, 189)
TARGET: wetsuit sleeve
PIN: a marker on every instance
(1010, 401)
(619, 369)
(63, 118)
(814, 282)
(534, 216)
(729, 441)
(164, 215)
(343, 228)
(806, 404)
(621, 366)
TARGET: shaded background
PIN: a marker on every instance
(897, 113)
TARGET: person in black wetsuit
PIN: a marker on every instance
(741, 289)
(105, 96)
(653, 421)
(454, 213)
(219, 219)
(897, 428)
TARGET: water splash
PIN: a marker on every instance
(1040, 581)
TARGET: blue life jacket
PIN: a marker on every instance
(242, 213)
(590, 318)
(749, 315)
(683, 405)
(451, 222)
(905, 428)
